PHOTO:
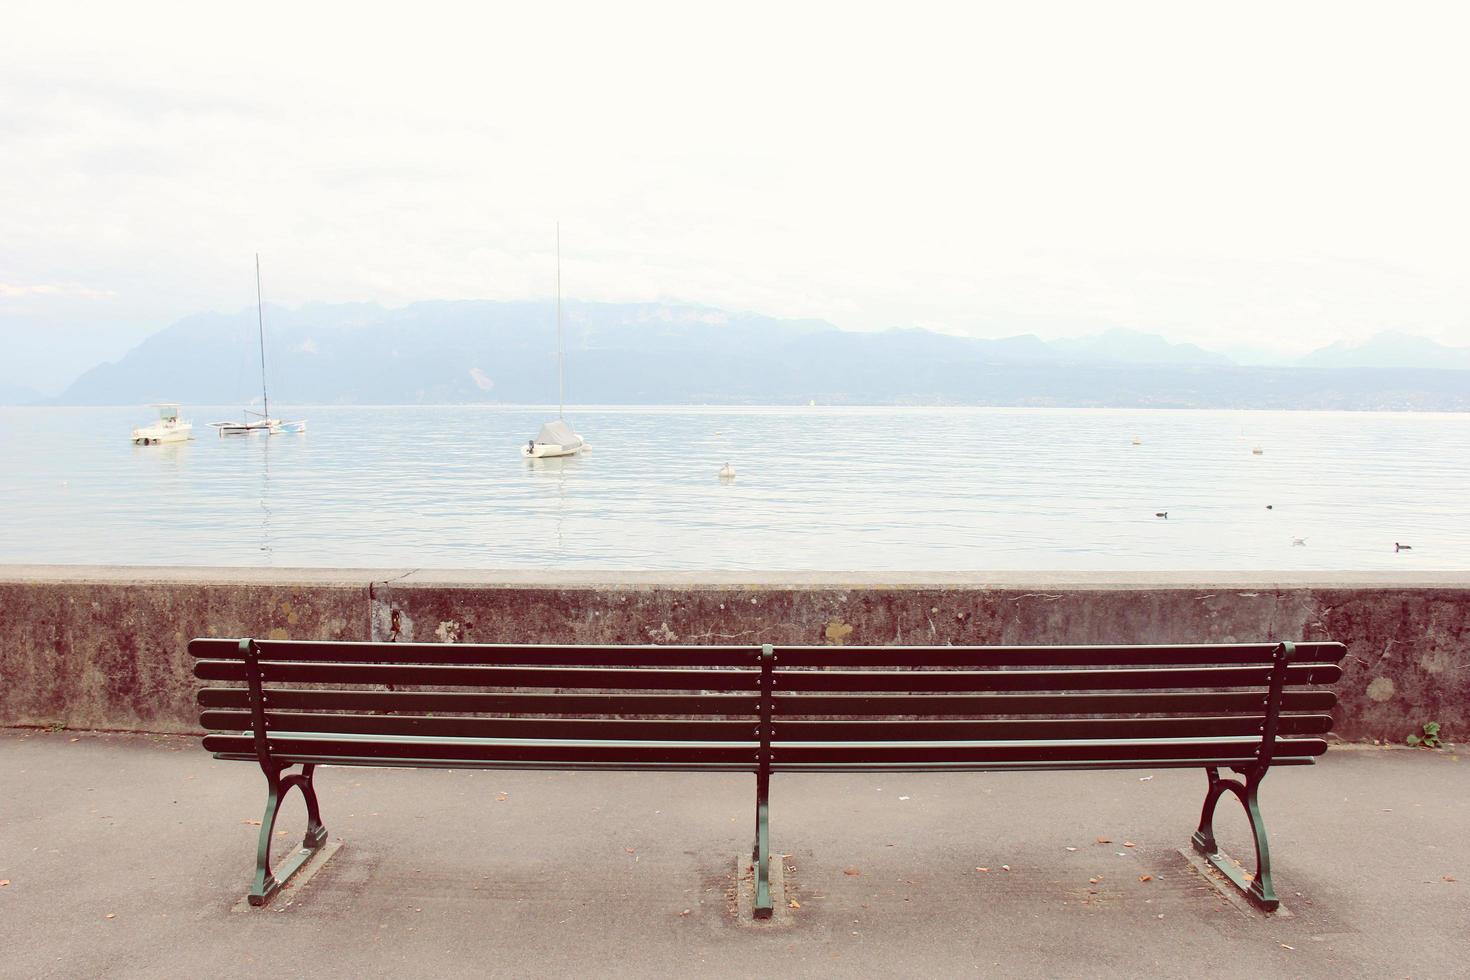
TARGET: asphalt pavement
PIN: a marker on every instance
(129, 855)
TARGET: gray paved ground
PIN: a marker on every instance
(591, 873)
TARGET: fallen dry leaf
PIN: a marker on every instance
(110, 915)
(1071, 848)
(1129, 843)
(1441, 878)
(982, 869)
(1284, 946)
(1093, 881)
(1145, 877)
(684, 913)
(1005, 867)
(851, 872)
(793, 904)
(1104, 840)
(4, 882)
(629, 850)
(501, 797)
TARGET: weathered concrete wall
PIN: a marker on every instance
(104, 647)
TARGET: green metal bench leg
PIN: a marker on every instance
(1259, 888)
(761, 856)
(267, 883)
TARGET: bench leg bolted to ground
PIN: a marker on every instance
(761, 856)
(1258, 888)
(266, 883)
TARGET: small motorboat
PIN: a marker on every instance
(168, 428)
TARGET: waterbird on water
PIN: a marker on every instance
(1298, 542)
(727, 472)
(1402, 547)
(1162, 513)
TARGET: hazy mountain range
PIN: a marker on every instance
(484, 351)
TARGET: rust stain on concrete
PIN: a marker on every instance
(838, 632)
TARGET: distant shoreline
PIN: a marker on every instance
(774, 406)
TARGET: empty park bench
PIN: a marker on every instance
(1243, 707)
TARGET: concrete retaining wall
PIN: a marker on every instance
(105, 647)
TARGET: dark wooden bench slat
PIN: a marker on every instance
(1157, 655)
(556, 765)
(1052, 765)
(602, 729)
(1048, 680)
(1037, 751)
(1058, 728)
(688, 729)
(779, 767)
(444, 676)
(479, 654)
(460, 702)
(483, 751)
(1212, 702)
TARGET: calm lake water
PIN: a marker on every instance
(816, 488)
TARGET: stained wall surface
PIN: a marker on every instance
(104, 648)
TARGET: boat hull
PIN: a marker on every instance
(544, 450)
(153, 435)
(269, 426)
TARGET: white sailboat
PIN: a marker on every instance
(556, 438)
(262, 421)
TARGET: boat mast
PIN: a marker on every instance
(260, 321)
(561, 385)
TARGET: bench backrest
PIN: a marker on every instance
(706, 707)
(1050, 707)
(459, 705)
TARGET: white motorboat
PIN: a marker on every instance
(168, 428)
(556, 438)
(261, 421)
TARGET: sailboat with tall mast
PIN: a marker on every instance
(556, 438)
(262, 421)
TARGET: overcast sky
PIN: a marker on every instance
(1274, 176)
